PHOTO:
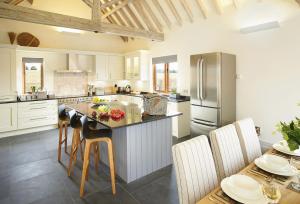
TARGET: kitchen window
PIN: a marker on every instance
(165, 72)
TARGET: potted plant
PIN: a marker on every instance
(291, 133)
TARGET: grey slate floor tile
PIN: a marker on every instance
(30, 174)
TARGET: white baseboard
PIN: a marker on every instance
(26, 131)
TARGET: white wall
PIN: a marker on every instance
(268, 61)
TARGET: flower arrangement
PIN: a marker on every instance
(290, 132)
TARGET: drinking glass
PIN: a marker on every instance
(271, 191)
(295, 162)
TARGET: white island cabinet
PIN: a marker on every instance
(8, 117)
(181, 124)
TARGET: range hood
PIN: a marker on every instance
(72, 65)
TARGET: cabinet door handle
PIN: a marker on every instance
(38, 108)
(41, 103)
(38, 118)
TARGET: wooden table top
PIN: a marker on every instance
(287, 196)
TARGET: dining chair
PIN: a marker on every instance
(227, 151)
(195, 169)
(92, 138)
(249, 140)
(63, 122)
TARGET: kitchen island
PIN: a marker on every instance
(142, 143)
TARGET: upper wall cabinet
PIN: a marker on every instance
(7, 70)
(109, 67)
(137, 65)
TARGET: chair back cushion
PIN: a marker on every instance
(195, 169)
(227, 151)
(248, 139)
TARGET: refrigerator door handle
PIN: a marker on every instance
(198, 79)
(201, 77)
(203, 123)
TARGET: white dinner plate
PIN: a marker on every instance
(275, 165)
(243, 189)
(282, 146)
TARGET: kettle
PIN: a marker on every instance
(128, 89)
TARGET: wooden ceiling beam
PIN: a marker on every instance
(110, 3)
(118, 22)
(133, 16)
(13, 2)
(153, 16)
(202, 8)
(126, 18)
(174, 11)
(235, 3)
(162, 13)
(218, 5)
(88, 3)
(111, 20)
(116, 8)
(187, 9)
(96, 14)
(25, 14)
(138, 7)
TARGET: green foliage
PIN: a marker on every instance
(291, 133)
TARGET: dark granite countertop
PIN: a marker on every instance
(182, 99)
(5, 102)
(133, 114)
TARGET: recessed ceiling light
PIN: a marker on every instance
(260, 27)
(68, 30)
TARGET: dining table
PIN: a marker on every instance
(288, 196)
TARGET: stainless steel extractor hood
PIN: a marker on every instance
(72, 65)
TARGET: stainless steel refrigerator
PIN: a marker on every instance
(213, 91)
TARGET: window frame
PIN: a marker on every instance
(166, 79)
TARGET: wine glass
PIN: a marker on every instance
(295, 162)
(271, 191)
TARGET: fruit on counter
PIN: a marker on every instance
(97, 100)
(117, 114)
(94, 114)
(103, 109)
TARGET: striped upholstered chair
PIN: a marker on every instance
(227, 151)
(195, 169)
(249, 140)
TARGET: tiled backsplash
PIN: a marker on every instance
(70, 84)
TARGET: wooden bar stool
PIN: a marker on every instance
(63, 122)
(92, 138)
(75, 123)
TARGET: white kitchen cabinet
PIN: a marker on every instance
(7, 70)
(137, 65)
(37, 113)
(8, 117)
(101, 68)
(109, 67)
(116, 67)
(180, 124)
